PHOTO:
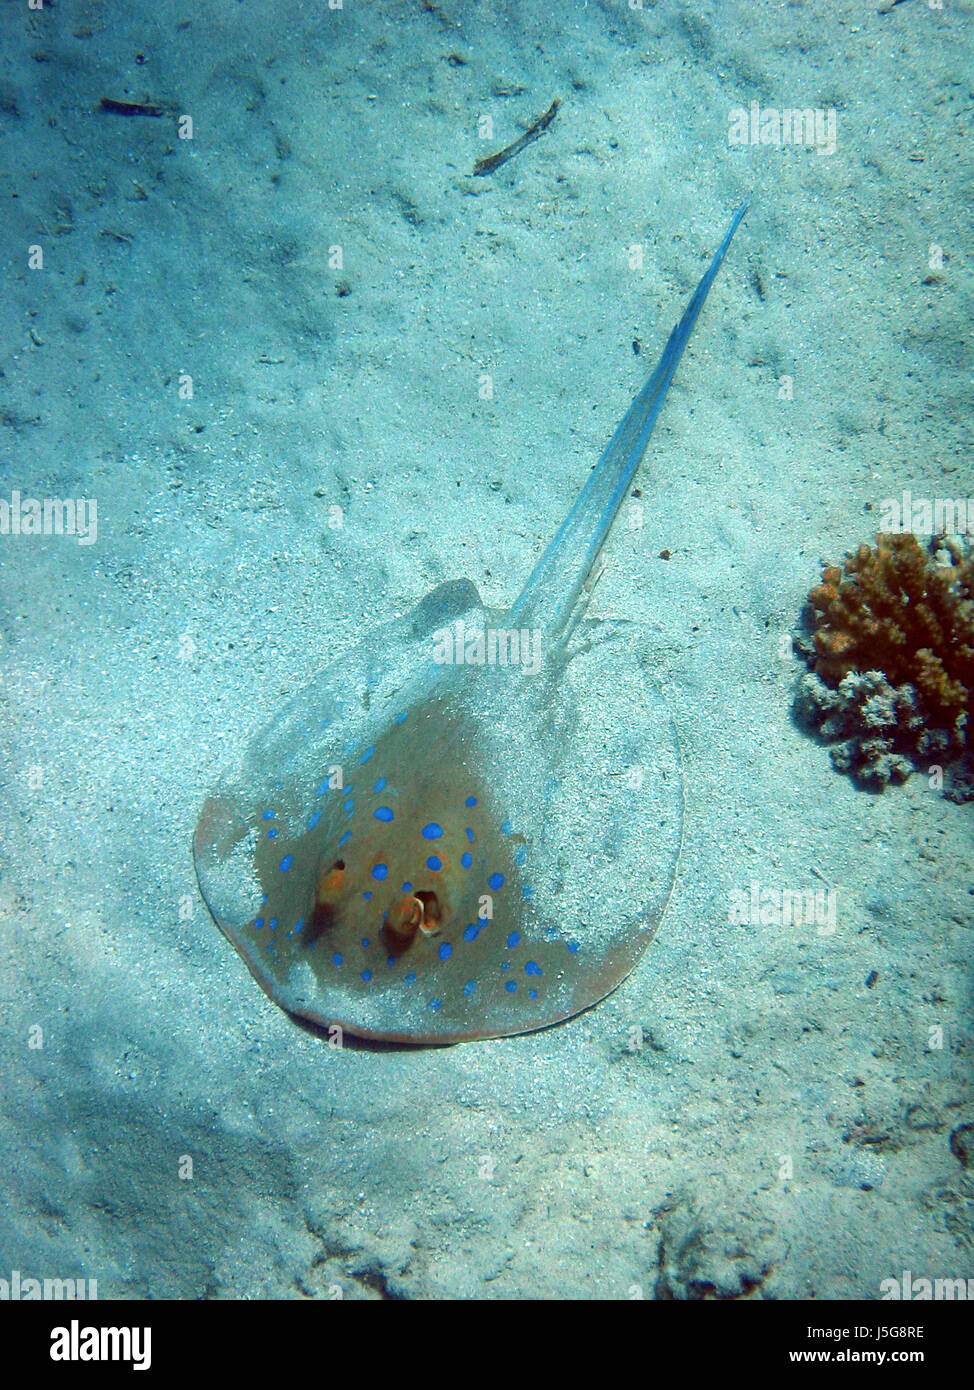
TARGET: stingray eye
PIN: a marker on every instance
(404, 917)
(432, 918)
(331, 881)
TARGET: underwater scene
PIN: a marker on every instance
(486, 652)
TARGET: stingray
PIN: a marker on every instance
(444, 836)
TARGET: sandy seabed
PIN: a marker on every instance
(262, 350)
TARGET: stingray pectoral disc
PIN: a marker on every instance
(491, 858)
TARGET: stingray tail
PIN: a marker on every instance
(553, 589)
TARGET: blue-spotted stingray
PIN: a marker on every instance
(442, 837)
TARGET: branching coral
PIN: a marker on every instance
(893, 655)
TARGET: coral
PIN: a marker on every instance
(868, 720)
(892, 657)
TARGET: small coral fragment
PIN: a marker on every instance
(892, 657)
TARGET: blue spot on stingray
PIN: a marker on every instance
(345, 838)
(434, 863)
(367, 895)
(444, 950)
(313, 819)
(533, 968)
(520, 857)
(533, 993)
(495, 881)
(506, 965)
(272, 924)
(506, 827)
(514, 939)
(511, 987)
(390, 961)
(380, 786)
(349, 805)
(366, 755)
(286, 863)
(383, 813)
(263, 899)
(321, 788)
(466, 860)
(298, 925)
(336, 958)
(380, 872)
(401, 717)
(469, 987)
(366, 975)
(272, 834)
(471, 933)
(259, 923)
(573, 947)
(365, 942)
(432, 831)
(410, 979)
(268, 814)
(527, 892)
(470, 801)
(407, 888)
(436, 1005)
(469, 834)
